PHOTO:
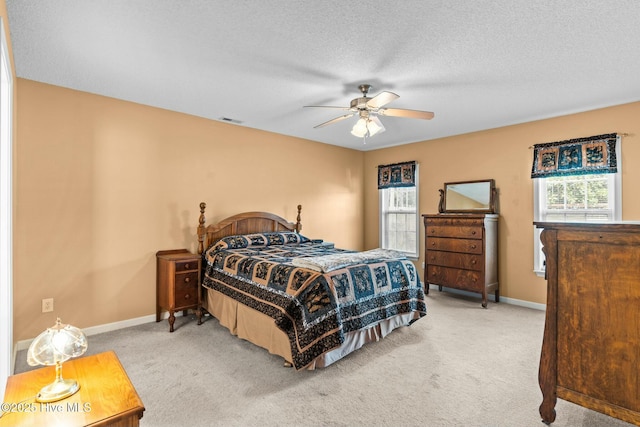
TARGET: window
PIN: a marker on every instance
(399, 228)
(578, 198)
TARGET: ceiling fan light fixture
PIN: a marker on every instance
(367, 127)
(368, 109)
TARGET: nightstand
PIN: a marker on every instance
(106, 396)
(177, 283)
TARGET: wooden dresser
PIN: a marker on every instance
(461, 252)
(591, 346)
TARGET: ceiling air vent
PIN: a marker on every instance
(228, 120)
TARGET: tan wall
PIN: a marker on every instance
(103, 184)
(504, 154)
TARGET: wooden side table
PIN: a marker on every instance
(106, 396)
(177, 283)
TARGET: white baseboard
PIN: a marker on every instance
(513, 301)
(108, 327)
(523, 303)
(93, 330)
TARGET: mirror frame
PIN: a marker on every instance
(442, 207)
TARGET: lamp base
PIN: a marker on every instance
(57, 390)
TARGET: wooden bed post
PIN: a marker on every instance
(298, 223)
(201, 229)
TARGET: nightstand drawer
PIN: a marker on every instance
(187, 279)
(186, 265)
(186, 292)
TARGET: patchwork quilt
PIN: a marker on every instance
(313, 308)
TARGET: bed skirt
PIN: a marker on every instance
(260, 329)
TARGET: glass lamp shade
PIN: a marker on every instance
(54, 346)
(360, 128)
(375, 126)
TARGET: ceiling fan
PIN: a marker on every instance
(368, 110)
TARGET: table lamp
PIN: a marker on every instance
(54, 346)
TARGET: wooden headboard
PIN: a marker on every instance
(242, 223)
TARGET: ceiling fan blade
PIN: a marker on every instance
(411, 114)
(332, 121)
(383, 98)
(326, 106)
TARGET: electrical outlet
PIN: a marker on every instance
(47, 305)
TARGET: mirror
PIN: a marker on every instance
(468, 197)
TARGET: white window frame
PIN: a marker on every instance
(383, 212)
(539, 189)
(6, 209)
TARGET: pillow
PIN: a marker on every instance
(259, 240)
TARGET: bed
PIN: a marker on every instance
(301, 298)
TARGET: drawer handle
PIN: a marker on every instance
(473, 262)
(187, 296)
(433, 231)
(433, 243)
(473, 246)
(186, 266)
(187, 279)
(433, 258)
(473, 232)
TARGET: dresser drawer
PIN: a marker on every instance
(455, 278)
(455, 232)
(186, 265)
(455, 260)
(454, 221)
(469, 246)
(186, 291)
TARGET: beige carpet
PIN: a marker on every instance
(461, 365)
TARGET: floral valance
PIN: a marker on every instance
(397, 175)
(581, 156)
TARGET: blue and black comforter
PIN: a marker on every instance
(313, 308)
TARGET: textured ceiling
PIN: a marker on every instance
(476, 64)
